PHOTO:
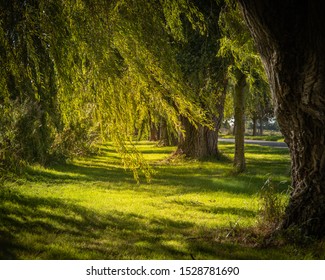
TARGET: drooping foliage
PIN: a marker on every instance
(205, 73)
(238, 47)
(245, 72)
(76, 71)
(29, 79)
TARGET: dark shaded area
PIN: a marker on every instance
(292, 51)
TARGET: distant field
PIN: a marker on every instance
(92, 208)
(277, 138)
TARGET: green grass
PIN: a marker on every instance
(276, 138)
(91, 208)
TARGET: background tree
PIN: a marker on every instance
(239, 124)
(259, 106)
(244, 70)
(290, 38)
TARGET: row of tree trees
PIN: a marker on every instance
(69, 68)
(74, 71)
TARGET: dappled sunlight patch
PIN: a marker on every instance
(88, 209)
(143, 244)
(42, 173)
(176, 245)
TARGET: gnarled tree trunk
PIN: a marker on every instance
(291, 40)
(201, 141)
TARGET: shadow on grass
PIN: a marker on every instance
(48, 228)
(184, 177)
(79, 172)
(33, 227)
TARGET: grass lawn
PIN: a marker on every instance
(91, 208)
(276, 138)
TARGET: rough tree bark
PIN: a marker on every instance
(239, 114)
(291, 41)
(200, 142)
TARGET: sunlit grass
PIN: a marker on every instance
(268, 136)
(92, 208)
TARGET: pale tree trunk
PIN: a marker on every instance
(261, 126)
(291, 39)
(239, 110)
(254, 120)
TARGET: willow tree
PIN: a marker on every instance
(50, 64)
(259, 106)
(28, 77)
(245, 70)
(290, 38)
(205, 74)
(50, 81)
(149, 49)
(149, 84)
(74, 70)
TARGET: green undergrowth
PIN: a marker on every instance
(91, 208)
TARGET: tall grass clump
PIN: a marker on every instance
(272, 206)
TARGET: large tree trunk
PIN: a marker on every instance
(201, 141)
(239, 108)
(291, 40)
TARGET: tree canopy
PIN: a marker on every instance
(70, 68)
